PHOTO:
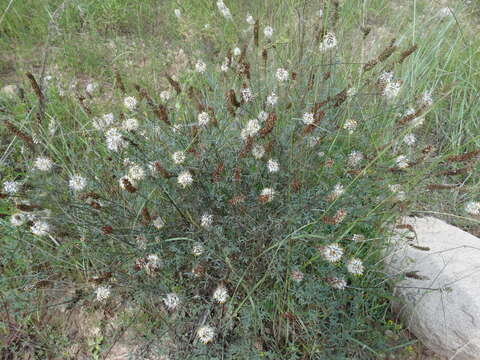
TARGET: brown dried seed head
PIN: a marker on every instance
(329, 163)
(218, 172)
(161, 112)
(107, 229)
(27, 208)
(255, 32)
(263, 198)
(95, 205)
(213, 118)
(463, 157)
(340, 216)
(237, 200)
(296, 185)
(119, 82)
(237, 176)
(161, 170)
(247, 147)
(269, 125)
(174, 84)
(408, 118)
(146, 216)
(24, 137)
(311, 81)
(81, 100)
(407, 53)
(128, 186)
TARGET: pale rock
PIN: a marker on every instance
(442, 306)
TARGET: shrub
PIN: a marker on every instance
(243, 209)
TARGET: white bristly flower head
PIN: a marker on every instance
(130, 124)
(329, 41)
(52, 127)
(268, 32)
(391, 89)
(206, 221)
(136, 172)
(200, 66)
(444, 12)
(115, 140)
(153, 262)
(355, 158)
(273, 166)
(224, 66)
(251, 129)
(11, 187)
(262, 116)
(268, 194)
(206, 334)
(220, 294)
(224, 10)
(165, 95)
(415, 122)
(400, 195)
(77, 183)
(130, 103)
(338, 190)
(104, 122)
(40, 228)
(308, 118)
(247, 94)
(355, 266)
(352, 92)
(237, 51)
(185, 178)
(18, 219)
(297, 275)
(332, 252)
(312, 141)
(402, 162)
(473, 208)
(358, 238)
(158, 222)
(178, 157)
(272, 99)
(198, 249)
(250, 20)
(409, 139)
(171, 301)
(203, 118)
(43, 163)
(282, 74)
(91, 87)
(350, 125)
(178, 13)
(427, 99)
(385, 77)
(102, 293)
(337, 283)
(258, 151)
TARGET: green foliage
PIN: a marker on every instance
(137, 237)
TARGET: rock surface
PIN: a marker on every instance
(439, 294)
